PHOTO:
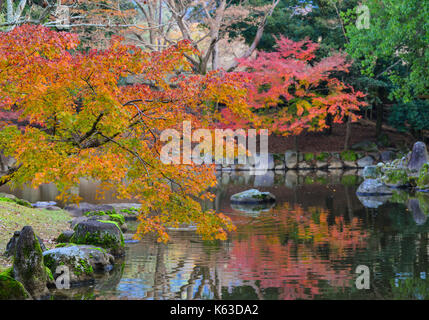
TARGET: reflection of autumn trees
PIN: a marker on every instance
(288, 253)
(301, 253)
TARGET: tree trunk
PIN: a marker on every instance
(9, 11)
(379, 123)
(215, 57)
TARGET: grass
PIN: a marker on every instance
(46, 224)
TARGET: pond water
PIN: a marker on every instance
(307, 246)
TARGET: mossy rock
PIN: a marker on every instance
(11, 289)
(105, 234)
(83, 261)
(252, 196)
(80, 269)
(112, 214)
(323, 156)
(65, 236)
(308, 157)
(28, 265)
(349, 155)
(395, 178)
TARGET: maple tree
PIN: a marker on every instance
(80, 122)
(289, 91)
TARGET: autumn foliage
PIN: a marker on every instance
(289, 91)
(82, 121)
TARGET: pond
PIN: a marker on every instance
(307, 246)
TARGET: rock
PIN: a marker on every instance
(116, 217)
(350, 164)
(280, 167)
(321, 164)
(44, 204)
(125, 206)
(373, 187)
(335, 164)
(128, 210)
(367, 146)
(28, 267)
(365, 161)
(386, 156)
(252, 196)
(83, 261)
(77, 220)
(65, 236)
(371, 172)
(10, 289)
(375, 155)
(11, 245)
(304, 165)
(395, 178)
(419, 157)
(105, 234)
(291, 159)
(84, 207)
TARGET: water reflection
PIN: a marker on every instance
(306, 247)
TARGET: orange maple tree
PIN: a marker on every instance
(80, 122)
(291, 91)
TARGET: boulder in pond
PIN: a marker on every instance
(11, 245)
(365, 161)
(105, 234)
(82, 260)
(252, 196)
(28, 267)
(419, 156)
(373, 187)
(11, 289)
(371, 172)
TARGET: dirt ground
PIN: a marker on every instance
(316, 141)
